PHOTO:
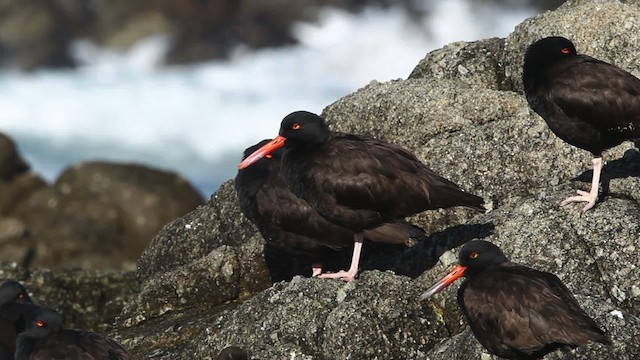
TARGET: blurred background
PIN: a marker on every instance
(186, 85)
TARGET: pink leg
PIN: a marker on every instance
(589, 197)
(316, 269)
(355, 260)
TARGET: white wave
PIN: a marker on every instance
(124, 106)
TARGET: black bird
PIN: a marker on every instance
(357, 182)
(233, 353)
(44, 338)
(586, 102)
(14, 304)
(293, 229)
(514, 311)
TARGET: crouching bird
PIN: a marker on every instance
(44, 338)
(514, 311)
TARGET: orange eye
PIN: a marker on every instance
(474, 255)
(296, 126)
(268, 156)
(565, 50)
(21, 296)
(40, 323)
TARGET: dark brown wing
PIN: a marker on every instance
(601, 96)
(516, 311)
(375, 181)
(80, 345)
(293, 223)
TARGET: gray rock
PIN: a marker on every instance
(100, 215)
(86, 299)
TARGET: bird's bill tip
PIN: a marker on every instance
(441, 284)
(266, 149)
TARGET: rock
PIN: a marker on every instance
(87, 299)
(215, 244)
(308, 317)
(44, 41)
(16, 181)
(462, 113)
(476, 63)
(101, 215)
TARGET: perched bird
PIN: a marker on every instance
(514, 311)
(293, 229)
(14, 304)
(45, 338)
(586, 102)
(354, 181)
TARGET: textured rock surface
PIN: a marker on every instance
(87, 299)
(462, 112)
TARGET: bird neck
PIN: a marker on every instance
(24, 346)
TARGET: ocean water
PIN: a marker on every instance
(196, 120)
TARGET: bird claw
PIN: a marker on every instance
(342, 275)
(583, 196)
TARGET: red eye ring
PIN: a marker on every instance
(474, 255)
(296, 126)
(268, 156)
(39, 323)
(565, 50)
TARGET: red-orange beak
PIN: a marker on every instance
(452, 276)
(266, 149)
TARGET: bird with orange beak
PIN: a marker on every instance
(356, 182)
(514, 311)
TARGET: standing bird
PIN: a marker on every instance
(357, 182)
(514, 311)
(15, 303)
(45, 339)
(290, 226)
(586, 102)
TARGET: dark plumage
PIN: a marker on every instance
(45, 338)
(233, 353)
(15, 303)
(291, 227)
(586, 102)
(355, 181)
(514, 311)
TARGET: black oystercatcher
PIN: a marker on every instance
(14, 304)
(355, 181)
(514, 311)
(586, 102)
(290, 226)
(44, 338)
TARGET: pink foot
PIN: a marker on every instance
(316, 269)
(342, 275)
(583, 196)
(592, 196)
